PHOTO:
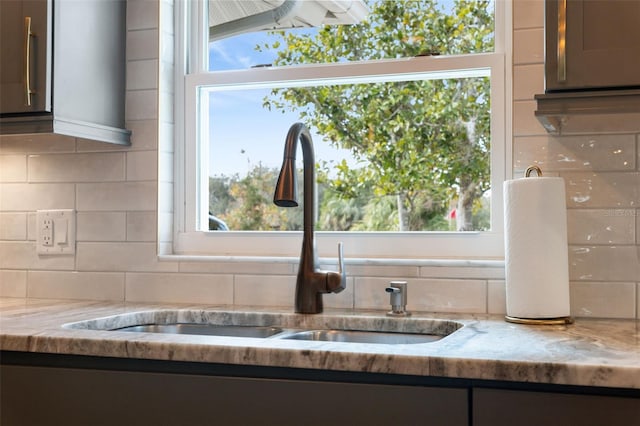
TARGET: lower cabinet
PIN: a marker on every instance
(67, 396)
(68, 390)
(497, 407)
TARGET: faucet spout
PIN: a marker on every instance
(311, 282)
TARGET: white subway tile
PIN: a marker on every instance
(638, 226)
(601, 226)
(76, 285)
(90, 145)
(431, 295)
(638, 301)
(167, 77)
(165, 228)
(142, 14)
(528, 14)
(121, 196)
(179, 288)
(528, 80)
(165, 137)
(604, 263)
(22, 255)
(528, 46)
(143, 44)
(142, 75)
(31, 226)
(588, 152)
(524, 120)
(36, 143)
(127, 257)
(101, 226)
(462, 272)
(95, 167)
(142, 165)
(251, 268)
(391, 271)
(496, 297)
(165, 167)
(13, 168)
(165, 197)
(141, 104)
(603, 299)
(13, 226)
(36, 196)
(614, 190)
(144, 134)
(141, 226)
(13, 283)
(167, 12)
(343, 300)
(167, 41)
(264, 290)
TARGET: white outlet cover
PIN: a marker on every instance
(55, 232)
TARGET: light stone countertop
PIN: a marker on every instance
(590, 352)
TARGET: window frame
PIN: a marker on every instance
(190, 156)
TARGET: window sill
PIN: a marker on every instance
(444, 263)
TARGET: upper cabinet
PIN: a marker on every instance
(62, 68)
(592, 44)
(592, 59)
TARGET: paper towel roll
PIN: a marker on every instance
(536, 251)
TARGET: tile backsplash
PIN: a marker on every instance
(124, 205)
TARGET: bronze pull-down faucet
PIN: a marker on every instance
(312, 282)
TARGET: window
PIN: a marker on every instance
(406, 102)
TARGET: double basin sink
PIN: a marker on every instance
(371, 329)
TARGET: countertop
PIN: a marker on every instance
(590, 352)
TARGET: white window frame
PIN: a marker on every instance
(189, 157)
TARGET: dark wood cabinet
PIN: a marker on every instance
(592, 66)
(63, 69)
(81, 390)
(499, 407)
(592, 44)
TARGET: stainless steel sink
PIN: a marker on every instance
(205, 329)
(280, 326)
(350, 336)
(345, 336)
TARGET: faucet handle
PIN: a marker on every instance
(337, 281)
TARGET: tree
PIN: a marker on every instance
(423, 142)
(246, 203)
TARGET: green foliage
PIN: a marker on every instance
(423, 142)
(246, 203)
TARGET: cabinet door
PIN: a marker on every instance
(67, 396)
(497, 407)
(602, 44)
(25, 56)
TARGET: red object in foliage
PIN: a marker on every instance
(452, 214)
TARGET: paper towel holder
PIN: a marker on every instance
(531, 169)
(564, 320)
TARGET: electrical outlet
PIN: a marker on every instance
(55, 232)
(47, 232)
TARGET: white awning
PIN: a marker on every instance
(232, 17)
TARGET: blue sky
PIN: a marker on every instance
(243, 133)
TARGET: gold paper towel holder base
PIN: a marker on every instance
(540, 321)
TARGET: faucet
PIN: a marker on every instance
(311, 282)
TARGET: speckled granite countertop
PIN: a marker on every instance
(589, 352)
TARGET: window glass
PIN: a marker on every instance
(411, 154)
(383, 29)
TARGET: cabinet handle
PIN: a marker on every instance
(562, 41)
(27, 61)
